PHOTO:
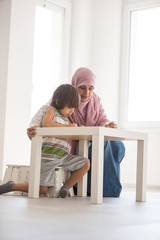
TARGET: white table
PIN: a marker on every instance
(97, 135)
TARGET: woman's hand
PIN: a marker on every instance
(31, 132)
(111, 125)
(73, 125)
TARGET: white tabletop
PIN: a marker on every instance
(86, 133)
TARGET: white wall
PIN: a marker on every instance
(81, 34)
(106, 52)
(128, 168)
(153, 167)
(96, 36)
(19, 45)
(129, 164)
(5, 9)
(95, 43)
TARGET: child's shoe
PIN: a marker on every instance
(64, 192)
(6, 187)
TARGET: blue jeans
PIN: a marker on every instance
(114, 152)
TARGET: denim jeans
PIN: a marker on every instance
(114, 152)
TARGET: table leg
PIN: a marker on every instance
(97, 169)
(142, 153)
(34, 173)
(82, 184)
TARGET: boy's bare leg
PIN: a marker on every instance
(22, 187)
(77, 175)
(74, 178)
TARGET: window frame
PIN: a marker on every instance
(124, 68)
(66, 4)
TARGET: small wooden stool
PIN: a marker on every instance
(20, 174)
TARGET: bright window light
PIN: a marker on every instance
(144, 70)
(47, 54)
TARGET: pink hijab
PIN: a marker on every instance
(91, 112)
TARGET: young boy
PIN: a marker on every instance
(55, 151)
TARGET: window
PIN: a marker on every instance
(49, 51)
(140, 96)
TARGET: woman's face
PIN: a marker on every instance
(85, 92)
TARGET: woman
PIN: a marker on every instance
(91, 113)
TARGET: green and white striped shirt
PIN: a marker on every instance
(53, 148)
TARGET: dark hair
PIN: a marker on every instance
(65, 95)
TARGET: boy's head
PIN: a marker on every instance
(65, 96)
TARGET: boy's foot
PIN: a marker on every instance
(64, 192)
(6, 187)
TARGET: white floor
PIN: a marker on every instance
(75, 218)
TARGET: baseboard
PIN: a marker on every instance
(133, 187)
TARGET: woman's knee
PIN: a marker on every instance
(119, 150)
(114, 150)
(117, 145)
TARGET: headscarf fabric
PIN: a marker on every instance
(91, 112)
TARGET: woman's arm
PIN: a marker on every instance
(38, 117)
(37, 121)
(103, 120)
(48, 120)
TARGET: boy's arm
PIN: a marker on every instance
(48, 120)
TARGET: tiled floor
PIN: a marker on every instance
(75, 218)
